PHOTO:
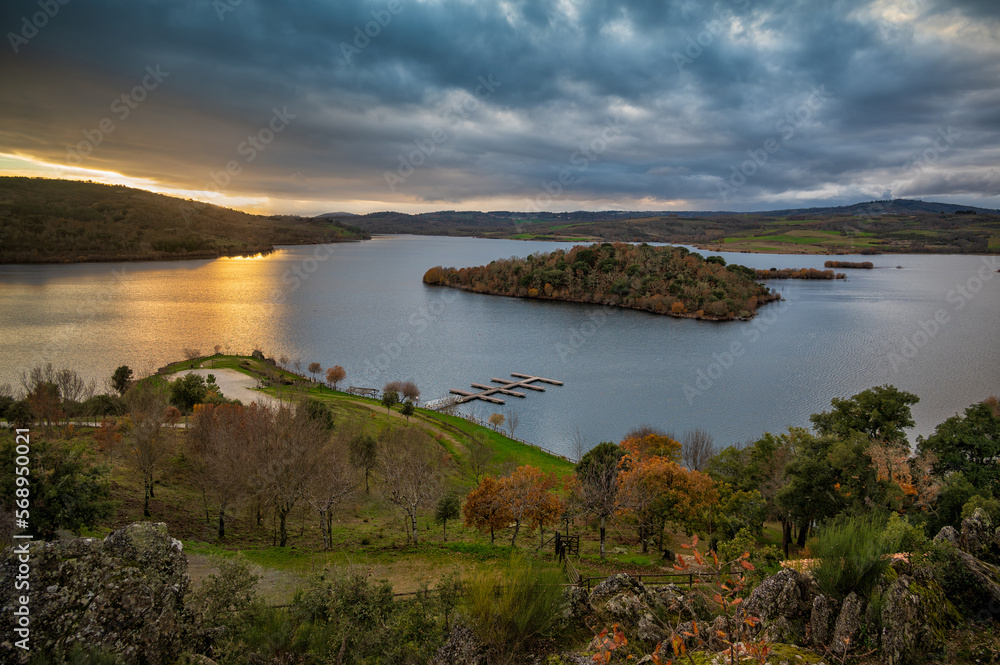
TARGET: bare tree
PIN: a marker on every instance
(409, 473)
(578, 444)
(496, 421)
(191, 354)
(72, 387)
(596, 490)
(38, 375)
(314, 369)
(220, 441)
(697, 447)
(333, 481)
(147, 403)
(480, 455)
(409, 390)
(289, 461)
(512, 420)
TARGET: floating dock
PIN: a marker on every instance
(506, 387)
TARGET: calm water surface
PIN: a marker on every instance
(364, 306)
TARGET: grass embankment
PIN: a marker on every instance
(63, 221)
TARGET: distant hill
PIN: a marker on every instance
(46, 221)
(874, 227)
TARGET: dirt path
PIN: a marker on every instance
(236, 385)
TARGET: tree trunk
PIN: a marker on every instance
(517, 527)
(603, 524)
(786, 535)
(413, 523)
(282, 527)
(222, 521)
(803, 534)
(145, 505)
(491, 535)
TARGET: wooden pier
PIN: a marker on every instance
(506, 387)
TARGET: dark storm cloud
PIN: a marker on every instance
(455, 101)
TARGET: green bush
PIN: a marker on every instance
(909, 537)
(765, 560)
(229, 597)
(513, 604)
(854, 555)
(352, 619)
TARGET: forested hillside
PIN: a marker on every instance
(665, 280)
(61, 221)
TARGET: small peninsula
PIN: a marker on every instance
(664, 280)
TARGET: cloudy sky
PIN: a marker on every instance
(414, 105)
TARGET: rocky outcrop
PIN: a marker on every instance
(123, 595)
(977, 535)
(848, 624)
(462, 648)
(915, 615)
(783, 605)
(820, 620)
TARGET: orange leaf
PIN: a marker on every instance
(685, 546)
(694, 624)
(746, 565)
(697, 557)
(715, 559)
(736, 601)
(694, 541)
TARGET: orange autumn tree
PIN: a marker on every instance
(529, 498)
(523, 497)
(485, 508)
(657, 490)
(918, 487)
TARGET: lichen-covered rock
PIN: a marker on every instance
(848, 624)
(576, 603)
(787, 593)
(651, 629)
(667, 596)
(123, 595)
(947, 535)
(977, 533)
(614, 586)
(462, 648)
(820, 620)
(915, 616)
(625, 607)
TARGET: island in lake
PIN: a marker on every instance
(665, 280)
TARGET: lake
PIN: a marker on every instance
(929, 326)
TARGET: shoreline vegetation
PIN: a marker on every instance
(799, 273)
(853, 265)
(663, 280)
(65, 221)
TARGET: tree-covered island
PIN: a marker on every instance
(663, 280)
